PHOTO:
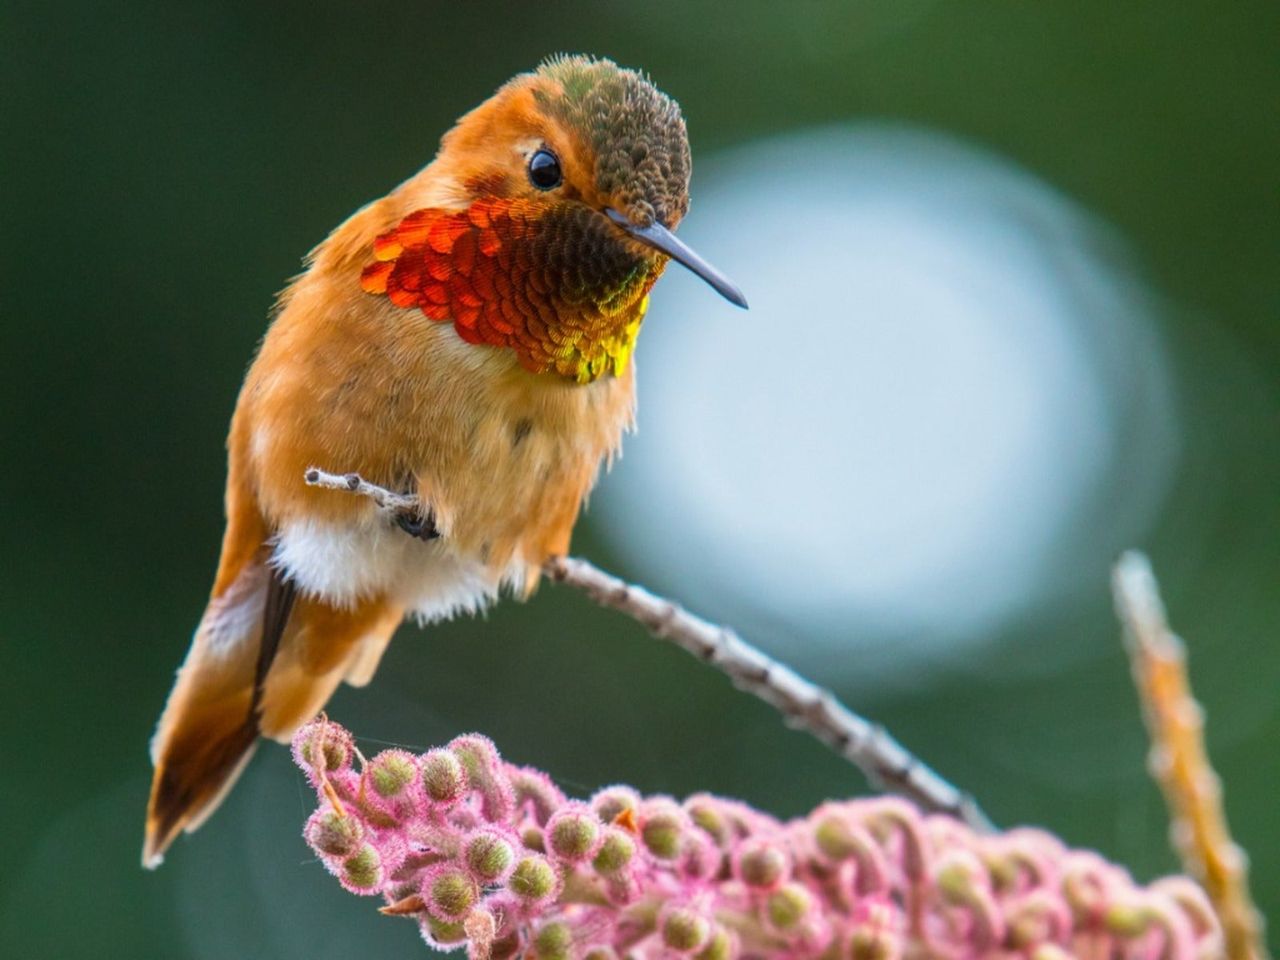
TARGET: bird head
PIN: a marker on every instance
(563, 192)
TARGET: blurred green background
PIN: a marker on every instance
(165, 166)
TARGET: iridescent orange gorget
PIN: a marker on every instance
(550, 282)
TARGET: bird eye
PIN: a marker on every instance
(544, 170)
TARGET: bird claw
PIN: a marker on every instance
(417, 525)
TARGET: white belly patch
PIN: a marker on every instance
(344, 564)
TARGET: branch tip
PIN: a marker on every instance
(1178, 760)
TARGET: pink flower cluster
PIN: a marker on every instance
(492, 856)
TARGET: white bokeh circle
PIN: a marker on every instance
(924, 398)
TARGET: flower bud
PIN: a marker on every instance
(869, 942)
(1038, 917)
(336, 743)
(612, 801)
(362, 871)
(391, 772)
(876, 932)
(761, 864)
(956, 879)
(1127, 920)
(573, 833)
(721, 945)
(553, 942)
(684, 929)
(617, 849)
(479, 757)
(333, 833)
(662, 826)
(449, 892)
(534, 879)
(962, 881)
(705, 813)
(442, 934)
(489, 855)
(788, 906)
(443, 778)
(833, 836)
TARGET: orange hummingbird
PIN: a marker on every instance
(467, 339)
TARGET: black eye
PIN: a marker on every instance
(544, 170)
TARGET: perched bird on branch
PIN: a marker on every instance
(465, 340)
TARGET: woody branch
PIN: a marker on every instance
(1178, 759)
(805, 706)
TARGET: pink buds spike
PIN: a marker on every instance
(494, 858)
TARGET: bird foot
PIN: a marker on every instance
(417, 525)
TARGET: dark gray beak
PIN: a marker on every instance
(660, 238)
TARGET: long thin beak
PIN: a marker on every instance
(660, 238)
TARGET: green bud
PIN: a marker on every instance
(719, 946)
(612, 801)
(553, 942)
(336, 754)
(573, 835)
(390, 772)
(788, 905)
(663, 833)
(450, 894)
(685, 930)
(1003, 871)
(870, 943)
(834, 838)
(763, 866)
(616, 851)
(956, 878)
(705, 815)
(489, 856)
(445, 932)
(364, 869)
(533, 878)
(531, 837)
(334, 833)
(443, 777)
(1127, 920)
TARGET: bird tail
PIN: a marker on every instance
(253, 669)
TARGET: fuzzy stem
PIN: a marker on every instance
(1178, 759)
(868, 746)
(317, 752)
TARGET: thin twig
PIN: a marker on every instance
(1179, 762)
(388, 501)
(805, 706)
(885, 762)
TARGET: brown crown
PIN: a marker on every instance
(633, 129)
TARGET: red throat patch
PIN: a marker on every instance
(551, 284)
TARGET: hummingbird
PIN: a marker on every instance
(466, 339)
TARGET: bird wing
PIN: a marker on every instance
(263, 661)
